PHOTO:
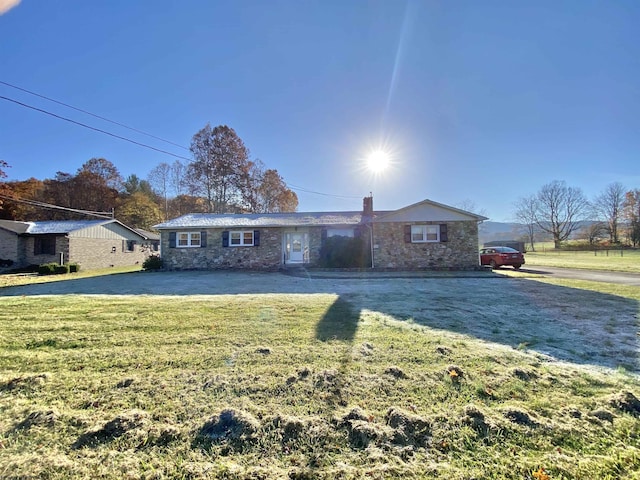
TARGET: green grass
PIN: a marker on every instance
(12, 280)
(618, 290)
(625, 291)
(615, 260)
(291, 386)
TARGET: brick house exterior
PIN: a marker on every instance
(91, 243)
(425, 235)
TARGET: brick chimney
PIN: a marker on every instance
(367, 206)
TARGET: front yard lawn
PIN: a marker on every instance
(301, 386)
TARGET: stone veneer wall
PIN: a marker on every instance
(315, 242)
(268, 255)
(460, 252)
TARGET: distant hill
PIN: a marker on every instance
(491, 231)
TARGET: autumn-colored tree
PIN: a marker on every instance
(273, 194)
(266, 191)
(31, 189)
(219, 169)
(104, 170)
(97, 185)
(95, 188)
(183, 204)
(138, 210)
(287, 201)
(59, 191)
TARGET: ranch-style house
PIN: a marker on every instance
(422, 236)
(90, 243)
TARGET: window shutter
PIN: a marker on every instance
(443, 233)
(203, 239)
(357, 232)
(323, 235)
(225, 238)
(407, 234)
(256, 238)
(172, 239)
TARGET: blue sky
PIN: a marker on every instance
(478, 101)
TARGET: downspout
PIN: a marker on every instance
(367, 216)
(371, 244)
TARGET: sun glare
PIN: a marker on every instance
(378, 161)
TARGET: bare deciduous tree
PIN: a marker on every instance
(593, 231)
(631, 214)
(559, 210)
(177, 175)
(608, 207)
(469, 205)
(160, 179)
(3, 165)
(525, 213)
(4, 188)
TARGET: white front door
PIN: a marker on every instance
(295, 247)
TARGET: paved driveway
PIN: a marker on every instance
(592, 275)
(220, 282)
(224, 282)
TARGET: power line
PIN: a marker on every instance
(93, 114)
(301, 189)
(293, 187)
(93, 128)
(35, 203)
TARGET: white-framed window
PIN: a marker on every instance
(425, 233)
(188, 239)
(241, 238)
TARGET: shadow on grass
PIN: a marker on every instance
(339, 322)
(571, 324)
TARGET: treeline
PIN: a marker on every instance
(561, 212)
(220, 178)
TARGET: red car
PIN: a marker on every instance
(496, 257)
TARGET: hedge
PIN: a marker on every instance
(56, 269)
(153, 262)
